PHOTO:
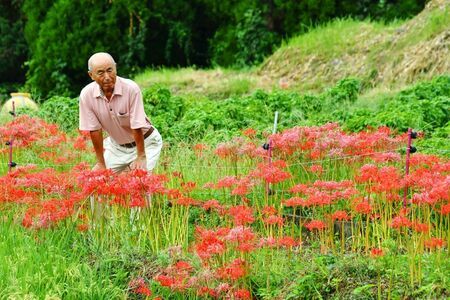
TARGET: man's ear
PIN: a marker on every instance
(91, 75)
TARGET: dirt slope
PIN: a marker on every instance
(417, 50)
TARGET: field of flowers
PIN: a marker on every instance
(310, 212)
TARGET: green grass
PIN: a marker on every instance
(56, 263)
(433, 23)
(336, 37)
(217, 83)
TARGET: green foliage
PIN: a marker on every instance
(48, 269)
(62, 34)
(58, 65)
(13, 48)
(424, 107)
(254, 40)
(62, 111)
(164, 109)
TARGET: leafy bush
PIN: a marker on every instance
(424, 107)
(62, 111)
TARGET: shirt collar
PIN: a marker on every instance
(98, 93)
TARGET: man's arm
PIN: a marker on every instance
(97, 142)
(141, 160)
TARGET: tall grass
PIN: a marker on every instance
(56, 263)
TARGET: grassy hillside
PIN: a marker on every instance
(383, 56)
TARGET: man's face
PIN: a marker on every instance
(104, 73)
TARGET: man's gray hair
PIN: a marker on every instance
(97, 55)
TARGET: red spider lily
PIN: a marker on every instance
(211, 204)
(48, 180)
(376, 252)
(435, 243)
(23, 130)
(80, 143)
(368, 172)
(249, 132)
(445, 209)
(177, 174)
(242, 294)
(95, 181)
(185, 201)
(296, 201)
(271, 173)
(209, 242)
(209, 185)
(166, 281)
(420, 227)
(287, 242)
(199, 149)
(235, 270)
(299, 188)
(385, 179)
(340, 215)
(242, 187)
(241, 214)
(319, 198)
(206, 291)
(274, 220)
(82, 166)
(269, 242)
(56, 140)
(138, 286)
(182, 266)
(423, 160)
(222, 288)
(226, 182)
(315, 224)
(363, 207)
(240, 234)
(48, 213)
(316, 169)
(269, 210)
(230, 149)
(246, 247)
(82, 227)
(400, 221)
(188, 186)
(173, 193)
(153, 183)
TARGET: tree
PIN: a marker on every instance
(73, 30)
(13, 48)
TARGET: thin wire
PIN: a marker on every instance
(342, 157)
(225, 167)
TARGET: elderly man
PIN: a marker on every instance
(114, 104)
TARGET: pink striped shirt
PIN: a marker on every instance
(123, 112)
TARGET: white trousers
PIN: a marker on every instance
(118, 158)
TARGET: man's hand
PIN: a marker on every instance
(139, 163)
(99, 166)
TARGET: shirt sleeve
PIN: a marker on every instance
(138, 118)
(88, 119)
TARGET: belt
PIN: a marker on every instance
(133, 144)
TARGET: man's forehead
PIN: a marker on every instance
(104, 65)
(100, 65)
